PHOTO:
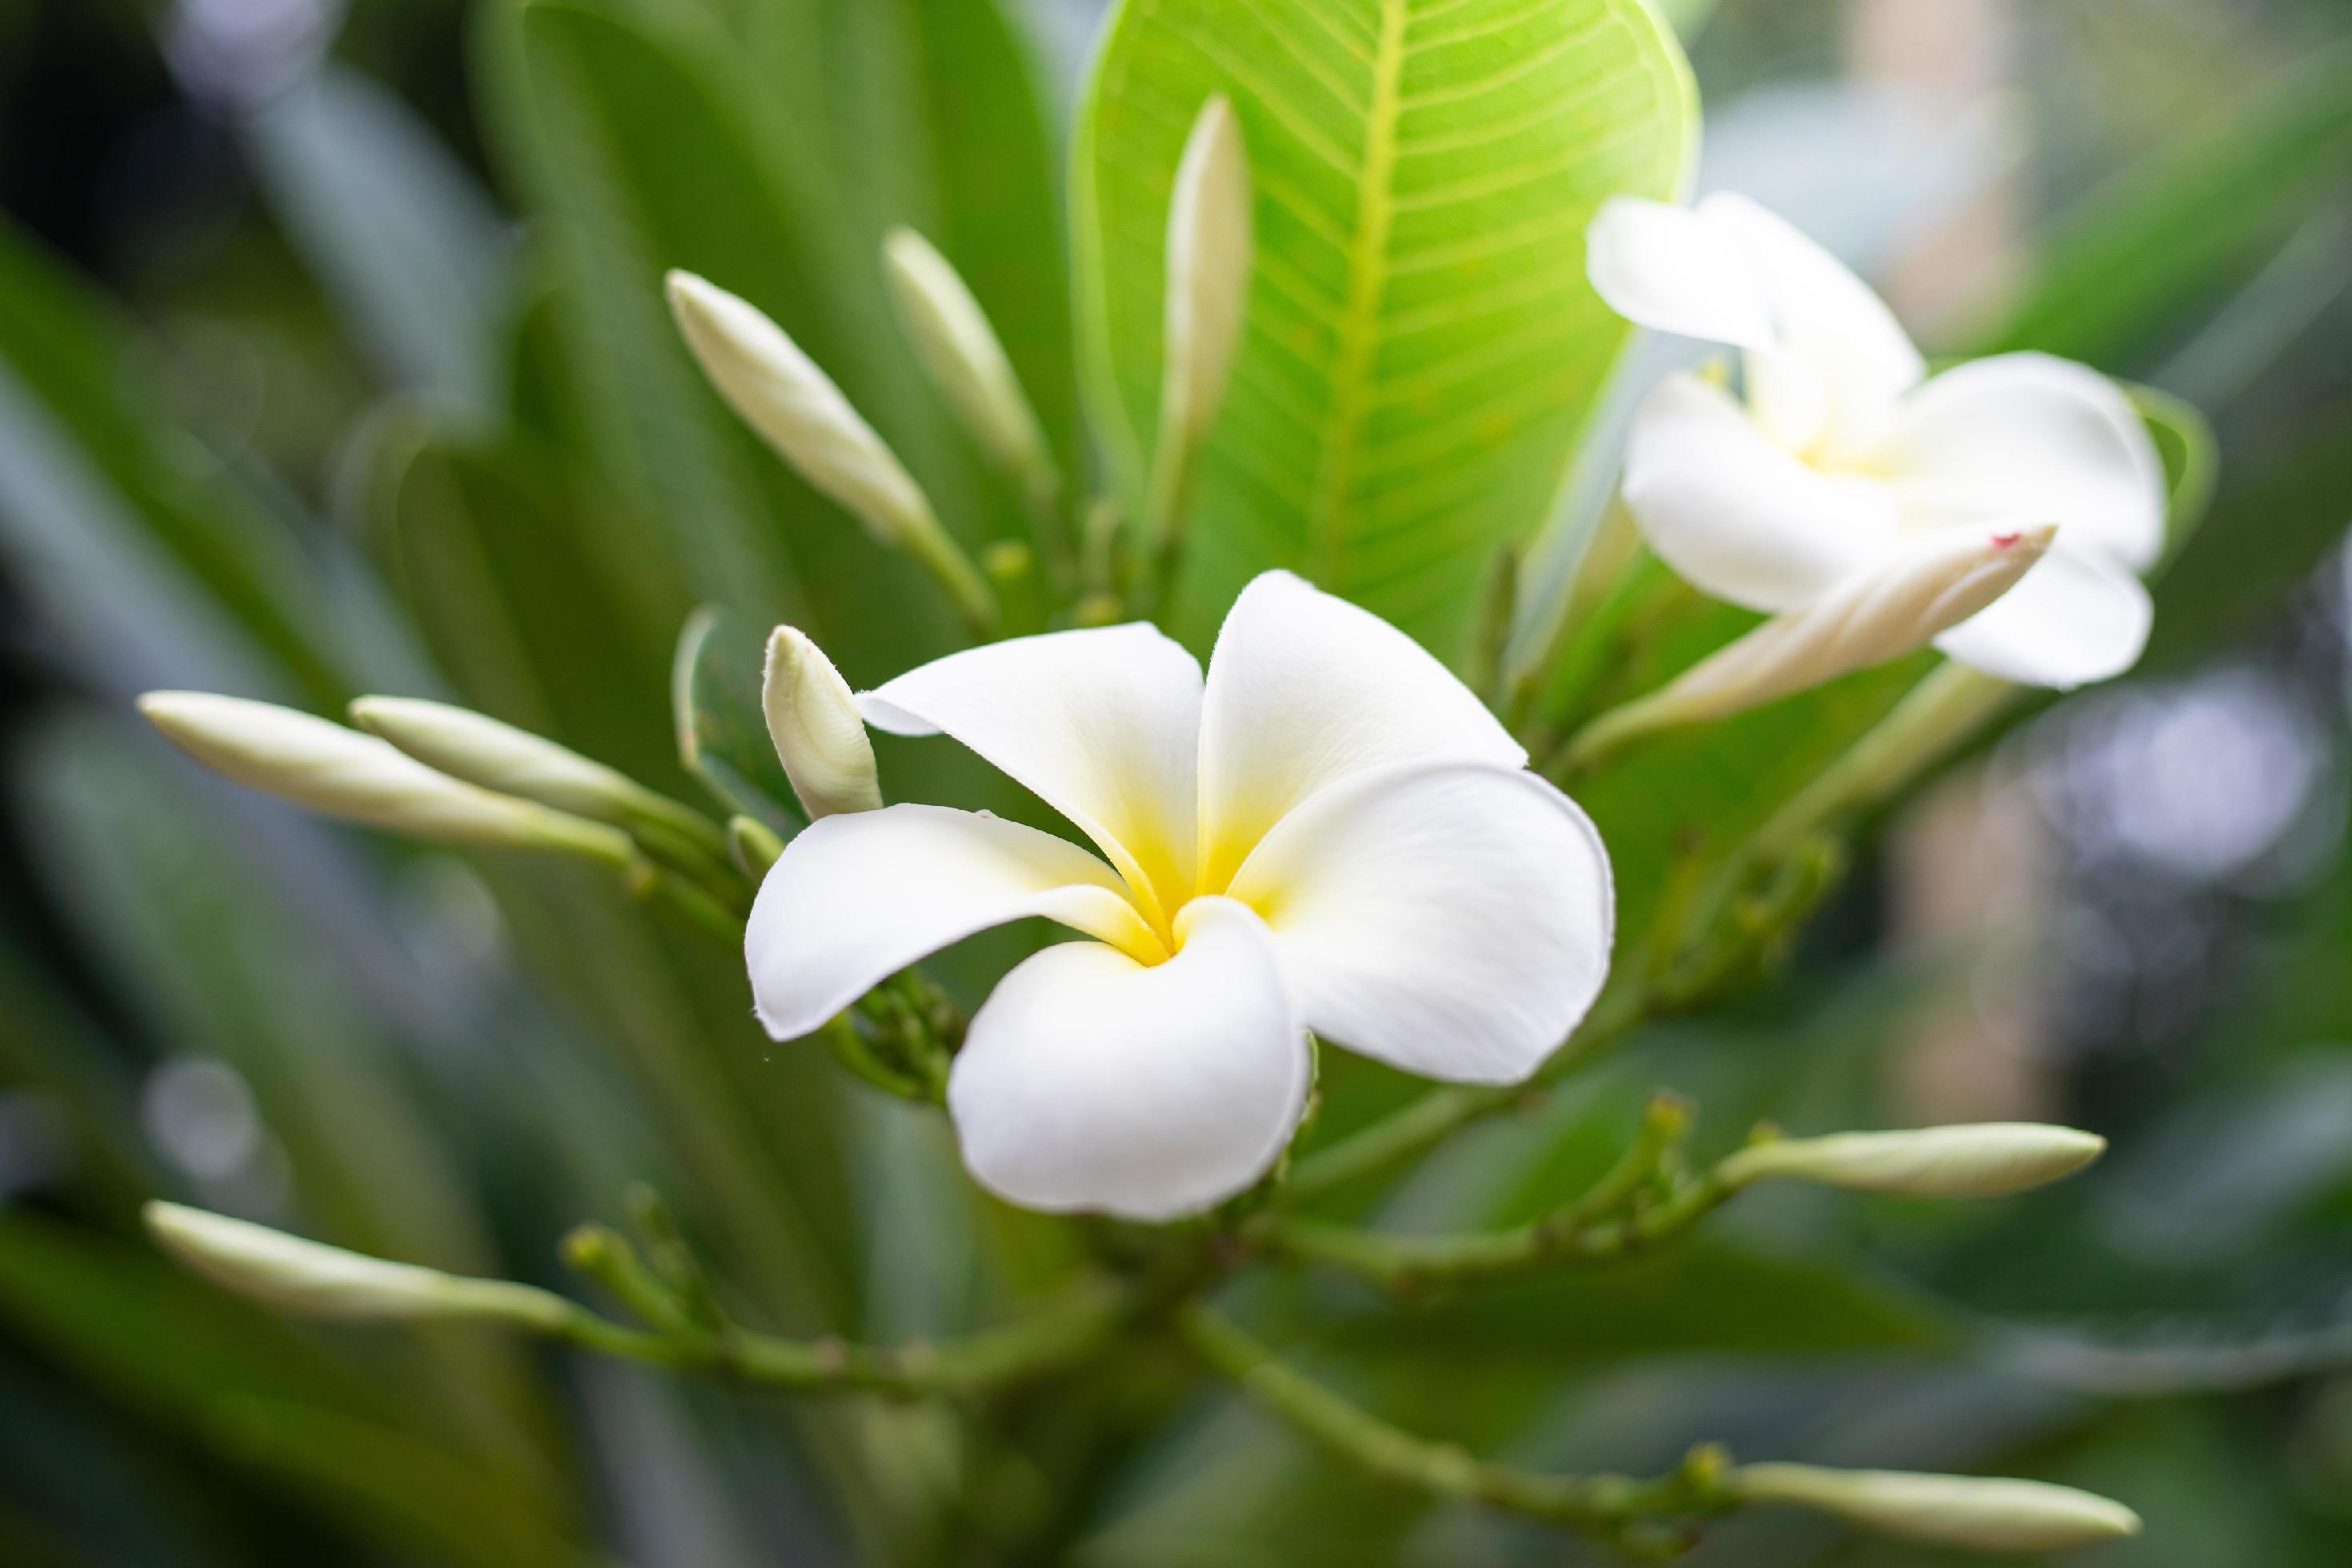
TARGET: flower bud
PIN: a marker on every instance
(1209, 255)
(1872, 619)
(812, 718)
(361, 779)
(1989, 1160)
(484, 750)
(1869, 619)
(1969, 1511)
(967, 361)
(306, 1276)
(795, 407)
(1210, 249)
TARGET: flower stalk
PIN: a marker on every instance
(1643, 1518)
(313, 1280)
(1647, 1198)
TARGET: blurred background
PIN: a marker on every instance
(330, 363)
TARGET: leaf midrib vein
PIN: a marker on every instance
(1366, 281)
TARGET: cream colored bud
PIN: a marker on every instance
(796, 408)
(1872, 619)
(1210, 250)
(357, 777)
(967, 361)
(496, 755)
(1988, 1159)
(812, 718)
(1984, 1514)
(306, 1276)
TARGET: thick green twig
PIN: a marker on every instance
(1647, 1518)
(1608, 1224)
(1071, 1331)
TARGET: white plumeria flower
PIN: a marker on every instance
(1847, 455)
(1330, 833)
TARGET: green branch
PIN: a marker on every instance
(688, 1333)
(1073, 1330)
(1643, 1199)
(1647, 1518)
(1658, 1518)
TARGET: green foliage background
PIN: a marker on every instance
(383, 396)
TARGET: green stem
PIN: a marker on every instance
(1640, 1516)
(604, 1255)
(1410, 1265)
(1071, 1331)
(687, 900)
(1952, 703)
(1595, 1229)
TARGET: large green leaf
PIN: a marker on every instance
(1422, 347)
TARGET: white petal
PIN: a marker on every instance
(1666, 267)
(1305, 689)
(1089, 1081)
(1737, 516)
(1827, 358)
(1103, 724)
(856, 897)
(1450, 919)
(1823, 315)
(2077, 616)
(2026, 436)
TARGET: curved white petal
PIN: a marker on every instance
(1737, 516)
(1666, 267)
(1826, 358)
(1305, 689)
(1103, 724)
(2027, 436)
(1450, 919)
(1089, 1081)
(2077, 616)
(1823, 316)
(857, 897)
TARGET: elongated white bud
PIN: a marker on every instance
(968, 363)
(1869, 619)
(1210, 247)
(1989, 1160)
(796, 408)
(496, 755)
(1985, 1514)
(812, 718)
(361, 779)
(299, 1276)
(1210, 251)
